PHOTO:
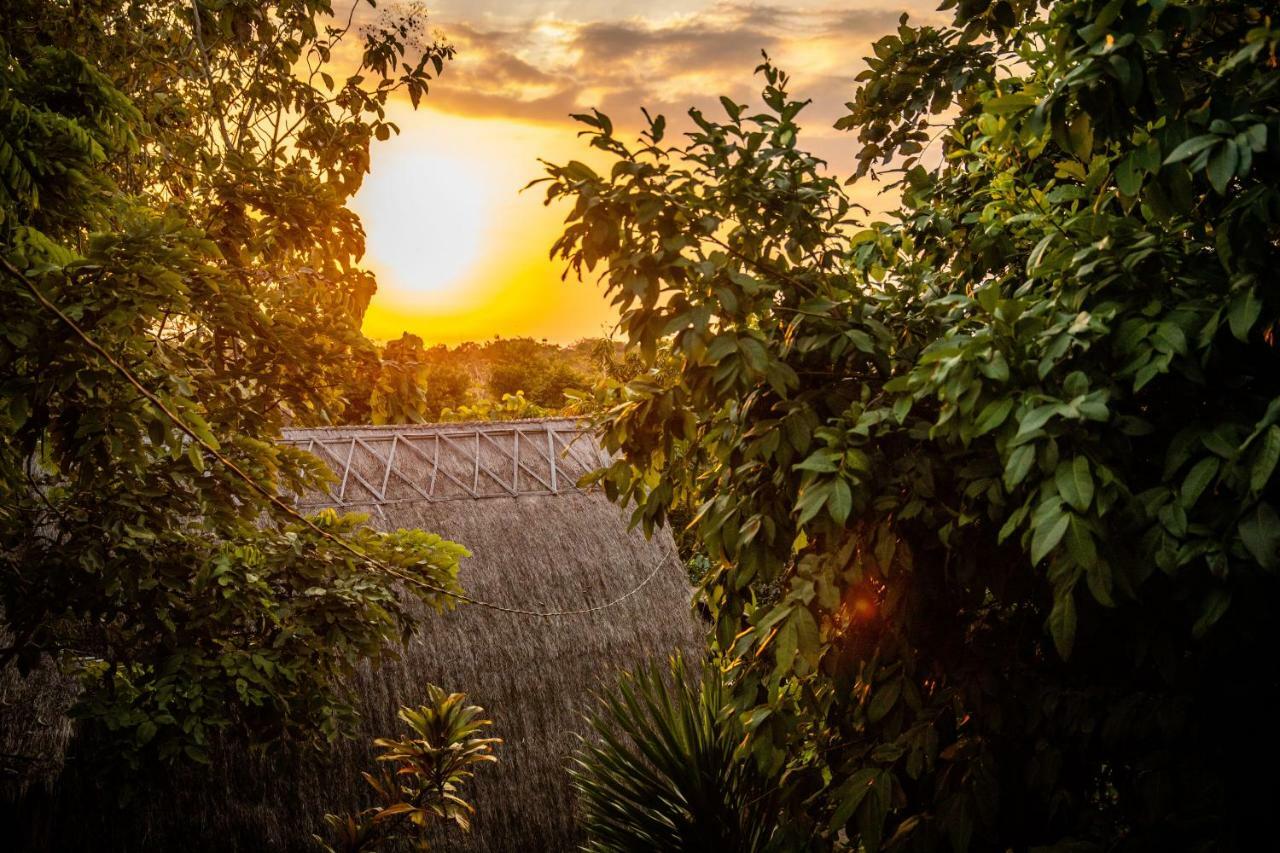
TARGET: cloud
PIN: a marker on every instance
(697, 44)
(541, 67)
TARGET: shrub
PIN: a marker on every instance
(420, 784)
(659, 772)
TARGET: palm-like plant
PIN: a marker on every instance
(662, 773)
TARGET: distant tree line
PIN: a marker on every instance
(404, 381)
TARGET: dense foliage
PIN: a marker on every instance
(421, 783)
(174, 177)
(990, 486)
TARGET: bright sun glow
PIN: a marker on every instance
(426, 216)
(460, 253)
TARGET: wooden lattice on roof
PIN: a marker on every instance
(442, 462)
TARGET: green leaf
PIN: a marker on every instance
(1198, 479)
(1037, 418)
(200, 427)
(1012, 523)
(196, 456)
(873, 811)
(824, 460)
(1048, 533)
(784, 646)
(754, 354)
(883, 698)
(1222, 166)
(1019, 465)
(1265, 462)
(1080, 544)
(850, 795)
(808, 637)
(1101, 583)
(1037, 254)
(1190, 148)
(721, 346)
(145, 733)
(579, 171)
(1080, 134)
(1062, 621)
(1007, 104)
(1127, 175)
(1075, 483)
(1243, 314)
(812, 499)
(992, 415)
(841, 501)
(1260, 532)
(861, 340)
(1216, 604)
(19, 409)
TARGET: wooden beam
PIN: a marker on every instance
(551, 457)
(391, 461)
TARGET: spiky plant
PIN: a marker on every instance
(662, 773)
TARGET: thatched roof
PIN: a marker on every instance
(506, 491)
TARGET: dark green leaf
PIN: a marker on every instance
(1260, 533)
(1047, 533)
(1265, 462)
(1075, 483)
(1062, 621)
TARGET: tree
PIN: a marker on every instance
(513, 377)
(179, 273)
(1008, 457)
(405, 383)
(555, 381)
(399, 394)
(448, 387)
(542, 371)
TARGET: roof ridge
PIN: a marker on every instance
(477, 424)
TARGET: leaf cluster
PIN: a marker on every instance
(989, 486)
(174, 176)
(421, 783)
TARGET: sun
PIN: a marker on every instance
(426, 214)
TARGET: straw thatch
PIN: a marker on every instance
(506, 492)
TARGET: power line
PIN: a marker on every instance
(278, 502)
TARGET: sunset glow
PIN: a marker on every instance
(426, 216)
(460, 252)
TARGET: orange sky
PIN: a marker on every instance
(460, 253)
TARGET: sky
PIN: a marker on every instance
(460, 252)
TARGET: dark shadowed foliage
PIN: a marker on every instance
(1010, 456)
(541, 548)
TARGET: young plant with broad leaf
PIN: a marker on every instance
(421, 784)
